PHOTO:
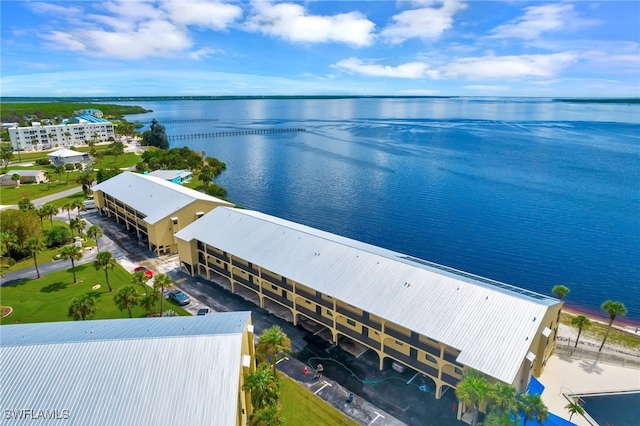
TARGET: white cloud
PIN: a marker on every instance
(291, 22)
(203, 53)
(135, 10)
(425, 23)
(509, 67)
(41, 7)
(61, 40)
(542, 19)
(211, 14)
(408, 70)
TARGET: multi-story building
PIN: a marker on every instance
(152, 208)
(142, 371)
(77, 131)
(434, 319)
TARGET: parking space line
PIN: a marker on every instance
(324, 386)
(362, 353)
(411, 380)
(378, 415)
(282, 359)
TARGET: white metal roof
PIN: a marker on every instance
(142, 371)
(170, 174)
(154, 197)
(23, 173)
(491, 323)
(64, 152)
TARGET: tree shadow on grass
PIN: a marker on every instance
(15, 283)
(57, 286)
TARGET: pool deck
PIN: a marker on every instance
(563, 376)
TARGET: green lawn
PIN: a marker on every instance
(48, 298)
(301, 408)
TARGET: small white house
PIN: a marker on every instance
(65, 156)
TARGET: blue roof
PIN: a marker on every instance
(88, 117)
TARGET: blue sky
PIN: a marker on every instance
(422, 47)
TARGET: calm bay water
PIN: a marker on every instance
(526, 191)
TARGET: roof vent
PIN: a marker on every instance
(531, 356)
(546, 332)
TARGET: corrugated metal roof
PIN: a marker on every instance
(143, 371)
(24, 173)
(491, 323)
(152, 196)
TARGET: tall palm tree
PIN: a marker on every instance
(614, 309)
(16, 178)
(532, 407)
(139, 278)
(51, 211)
(148, 301)
(126, 298)
(78, 204)
(82, 307)
(59, 170)
(206, 175)
(581, 322)
(263, 386)
(160, 282)
(68, 207)
(273, 343)
(473, 391)
(48, 175)
(104, 260)
(42, 213)
(79, 223)
(95, 232)
(34, 245)
(503, 397)
(69, 168)
(574, 408)
(560, 291)
(72, 253)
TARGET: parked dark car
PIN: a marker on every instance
(203, 311)
(179, 298)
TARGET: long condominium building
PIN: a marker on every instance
(39, 137)
(434, 319)
(141, 371)
(152, 208)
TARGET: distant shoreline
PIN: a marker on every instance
(209, 98)
(600, 100)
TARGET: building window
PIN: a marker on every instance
(329, 313)
(274, 287)
(458, 371)
(174, 220)
(399, 343)
(351, 322)
(432, 359)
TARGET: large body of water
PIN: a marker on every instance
(530, 192)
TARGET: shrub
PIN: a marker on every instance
(216, 190)
(43, 161)
(57, 237)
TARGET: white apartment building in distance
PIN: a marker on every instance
(76, 131)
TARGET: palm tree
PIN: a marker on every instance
(104, 260)
(25, 204)
(560, 291)
(69, 168)
(78, 204)
(48, 175)
(79, 223)
(161, 282)
(82, 307)
(59, 170)
(140, 278)
(269, 416)
(503, 398)
(126, 298)
(499, 418)
(9, 241)
(95, 232)
(473, 391)
(574, 408)
(42, 213)
(50, 210)
(273, 343)
(533, 407)
(16, 177)
(263, 386)
(72, 253)
(148, 301)
(34, 245)
(613, 309)
(68, 207)
(206, 175)
(581, 322)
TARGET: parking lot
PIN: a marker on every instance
(407, 396)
